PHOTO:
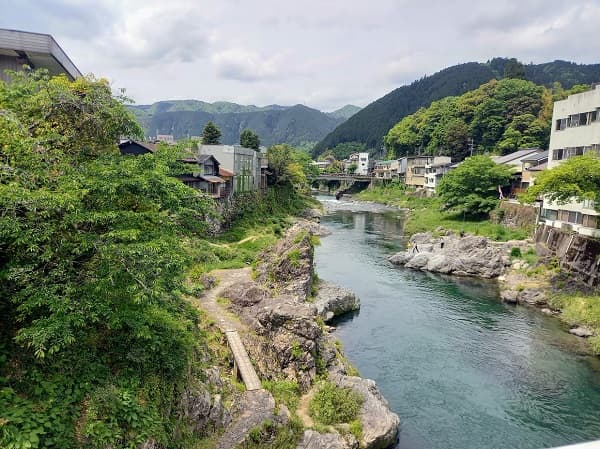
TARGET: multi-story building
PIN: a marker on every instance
(19, 49)
(386, 169)
(575, 131)
(416, 168)
(434, 172)
(245, 163)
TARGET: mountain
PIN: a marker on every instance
(274, 123)
(371, 124)
(344, 112)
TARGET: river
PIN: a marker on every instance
(462, 369)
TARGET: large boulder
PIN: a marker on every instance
(316, 440)
(380, 424)
(333, 300)
(452, 254)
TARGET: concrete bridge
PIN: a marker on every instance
(341, 177)
(242, 367)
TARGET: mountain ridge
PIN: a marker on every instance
(371, 124)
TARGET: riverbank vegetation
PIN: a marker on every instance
(580, 309)
(427, 214)
(97, 343)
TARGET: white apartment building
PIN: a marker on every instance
(435, 170)
(575, 131)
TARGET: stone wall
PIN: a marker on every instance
(576, 253)
(515, 215)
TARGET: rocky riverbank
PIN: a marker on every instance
(447, 252)
(284, 308)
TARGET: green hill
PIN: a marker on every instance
(372, 123)
(295, 125)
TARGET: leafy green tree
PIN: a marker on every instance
(249, 139)
(91, 260)
(514, 69)
(472, 187)
(211, 134)
(289, 166)
(576, 178)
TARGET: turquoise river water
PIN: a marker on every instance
(462, 369)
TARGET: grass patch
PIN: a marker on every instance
(579, 309)
(269, 435)
(334, 405)
(426, 215)
(284, 391)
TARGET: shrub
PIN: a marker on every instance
(332, 404)
(515, 253)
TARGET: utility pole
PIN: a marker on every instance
(471, 145)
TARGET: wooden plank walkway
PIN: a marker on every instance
(242, 361)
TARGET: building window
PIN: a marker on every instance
(557, 155)
(550, 214)
(575, 217)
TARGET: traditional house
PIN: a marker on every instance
(514, 161)
(531, 166)
(203, 171)
(576, 131)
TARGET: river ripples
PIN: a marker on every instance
(462, 369)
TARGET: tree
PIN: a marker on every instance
(576, 178)
(472, 187)
(211, 134)
(91, 259)
(514, 69)
(249, 139)
(288, 165)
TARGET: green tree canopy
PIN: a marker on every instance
(211, 134)
(576, 178)
(249, 139)
(472, 187)
(91, 259)
(289, 166)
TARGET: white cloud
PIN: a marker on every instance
(249, 66)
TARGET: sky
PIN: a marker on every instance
(322, 53)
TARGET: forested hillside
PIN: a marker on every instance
(273, 124)
(500, 116)
(372, 123)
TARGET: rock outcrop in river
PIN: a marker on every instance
(333, 300)
(468, 255)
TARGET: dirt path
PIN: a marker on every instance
(303, 411)
(209, 301)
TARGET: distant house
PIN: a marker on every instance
(167, 138)
(245, 164)
(203, 171)
(204, 175)
(35, 50)
(576, 131)
(514, 161)
(416, 168)
(227, 176)
(386, 169)
(135, 148)
(434, 171)
(531, 166)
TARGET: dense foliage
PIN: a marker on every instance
(499, 116)
(576, 178)
(274, 124)
(343, 150)
(211, 134)
(472, 187)
(372, 123)
(289, 166)
(249, 139)
(94, 339)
